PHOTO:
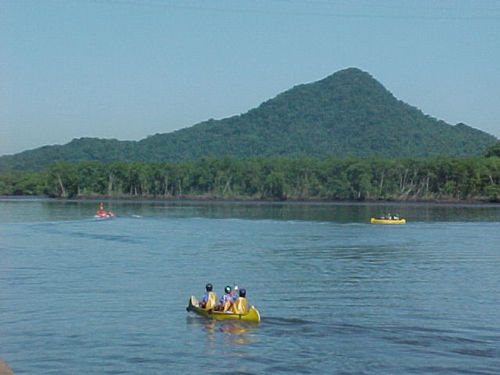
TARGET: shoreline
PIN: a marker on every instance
(255, 201)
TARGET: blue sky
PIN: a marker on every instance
(127, 69)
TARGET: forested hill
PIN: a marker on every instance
(346, 114)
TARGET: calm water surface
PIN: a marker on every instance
(337, 295)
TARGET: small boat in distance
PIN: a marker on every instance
(101, 213)
(251, 316)
(388, 219)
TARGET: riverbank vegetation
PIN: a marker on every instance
(332, 179)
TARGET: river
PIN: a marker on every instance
(337, 295)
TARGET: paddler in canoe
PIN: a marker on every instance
(225, 300)
(209, 299)
(240, 306)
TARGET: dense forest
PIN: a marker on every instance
(346, 114)
(279, 178)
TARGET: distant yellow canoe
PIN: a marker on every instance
(374, 220)
(252, 315)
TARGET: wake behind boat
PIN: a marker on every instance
(252, 315)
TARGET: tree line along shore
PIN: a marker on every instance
(277, 178)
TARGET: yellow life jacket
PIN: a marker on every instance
(240, 306)
(211, 301)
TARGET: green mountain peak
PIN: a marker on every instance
(348, 113)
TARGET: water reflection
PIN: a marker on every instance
(233, 331)
(238, 332)
(230, 339)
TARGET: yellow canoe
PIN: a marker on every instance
(252, 315)
(374, 220)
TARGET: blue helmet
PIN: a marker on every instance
(209, 287)
(243, 292)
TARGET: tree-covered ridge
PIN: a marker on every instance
(346, 114)
(279, 178)
(82, 149)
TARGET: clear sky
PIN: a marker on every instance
(127, 69)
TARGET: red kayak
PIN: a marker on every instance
(104, 214)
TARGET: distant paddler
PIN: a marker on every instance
(101, 212)
(388, 219)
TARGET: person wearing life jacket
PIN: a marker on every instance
(234, 293)
(100, 211)
(240, 306)
(225, 300)
(209, 298)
